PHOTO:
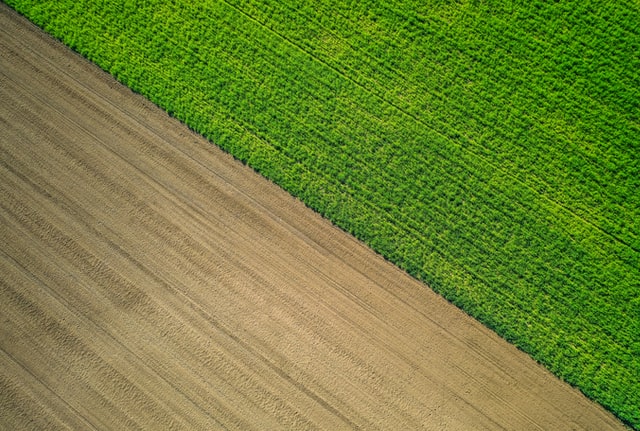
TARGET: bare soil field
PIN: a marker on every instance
(150, 281)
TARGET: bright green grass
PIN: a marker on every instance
(491, 150)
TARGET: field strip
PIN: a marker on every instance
(149, 280)
(264, 20)
(476, 154)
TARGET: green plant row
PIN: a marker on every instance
(489, 150)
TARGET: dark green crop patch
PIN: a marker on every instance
(491, 149)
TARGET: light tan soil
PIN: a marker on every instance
(148, 280)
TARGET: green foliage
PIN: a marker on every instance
(490, 149)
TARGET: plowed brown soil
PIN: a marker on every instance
(148, 280)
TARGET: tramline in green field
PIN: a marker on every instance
(490, 150)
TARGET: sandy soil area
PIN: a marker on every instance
(148, 280)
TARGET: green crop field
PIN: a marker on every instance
(490, 148)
